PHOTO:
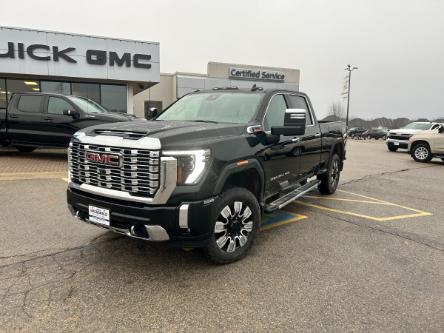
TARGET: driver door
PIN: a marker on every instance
(60, 127)
(281, 156)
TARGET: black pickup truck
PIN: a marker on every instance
(203, 172)
(35, 120)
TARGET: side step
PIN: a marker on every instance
(291, 196)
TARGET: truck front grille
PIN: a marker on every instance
(137, 171)
(399, 136)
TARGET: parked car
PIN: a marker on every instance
(355, 132)
(34, 120)
(375, 133)
(399, 138)
(425, 146)
(203, 172)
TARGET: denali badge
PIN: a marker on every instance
(102, 158)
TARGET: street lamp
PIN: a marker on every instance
(350, 69)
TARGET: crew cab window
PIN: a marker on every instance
(29, 103)
(57, 105)
(299, 102)
(275, 112)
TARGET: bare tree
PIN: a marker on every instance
(336, 110)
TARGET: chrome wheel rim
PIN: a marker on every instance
(334, 176)
(233, 226)
(421, 153)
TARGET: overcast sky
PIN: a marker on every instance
(397, 44)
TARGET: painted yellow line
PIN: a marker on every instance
(279, 224)
(373, 218)
(347, 200)
(65, 179)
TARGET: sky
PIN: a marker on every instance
(397, 44)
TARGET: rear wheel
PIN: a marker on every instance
(24, 149)
(330, 179)
(392, 147)
(421, 152)
(234, 226)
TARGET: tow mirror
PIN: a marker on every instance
(72, 113)
(294, 123)
(152, 113)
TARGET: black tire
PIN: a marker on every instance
(392, 147)
(421, 152)
(384, 138)
(24, 149)
(330, 179)
(232, 226)
(442, 159)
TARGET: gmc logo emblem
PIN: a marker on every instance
(103, 158)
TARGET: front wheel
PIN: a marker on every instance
(235, 223)
(330, 179)
(421, 152)
(24, 149)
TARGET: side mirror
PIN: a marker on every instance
(72, 113)
(441, 130)
(294, 123)
(152, 113)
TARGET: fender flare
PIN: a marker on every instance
(234, 168)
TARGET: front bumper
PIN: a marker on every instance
(403, 144)
(187, 224)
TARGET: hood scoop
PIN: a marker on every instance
(129, 135)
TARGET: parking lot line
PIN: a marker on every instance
(375, 201)
(297, 217)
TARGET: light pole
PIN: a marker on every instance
(350, 69)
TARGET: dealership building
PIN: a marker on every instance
(122, 75)
(109, 71)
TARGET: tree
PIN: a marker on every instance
(336, 110)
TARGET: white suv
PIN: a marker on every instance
(399, 138)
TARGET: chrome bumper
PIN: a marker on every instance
(156, 233)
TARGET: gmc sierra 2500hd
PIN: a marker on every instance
(203, 172)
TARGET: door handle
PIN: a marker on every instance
(295, 139)
(13, 116)
(48, 118)
(317, 135)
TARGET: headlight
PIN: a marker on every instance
(191, 164)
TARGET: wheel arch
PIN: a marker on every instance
(246, 174)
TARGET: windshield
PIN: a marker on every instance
(223, 107)
(418, 126)
(86, 105)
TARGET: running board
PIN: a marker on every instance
(291, 196)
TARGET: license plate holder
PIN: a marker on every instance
(99, 215)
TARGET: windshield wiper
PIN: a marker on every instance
(205, 121)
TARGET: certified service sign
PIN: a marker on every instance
(256, 74)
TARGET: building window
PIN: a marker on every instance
(88, 90)
(56, 87)
(3, 99)
(113, 97)
(17, 86)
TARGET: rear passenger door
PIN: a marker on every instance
(26, 120)
(311, 142)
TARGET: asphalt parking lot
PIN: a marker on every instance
(369, 258)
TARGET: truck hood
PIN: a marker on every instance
(170, 133)
(406, 131)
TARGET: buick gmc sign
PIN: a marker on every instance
(24, 51)
(93, 57)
